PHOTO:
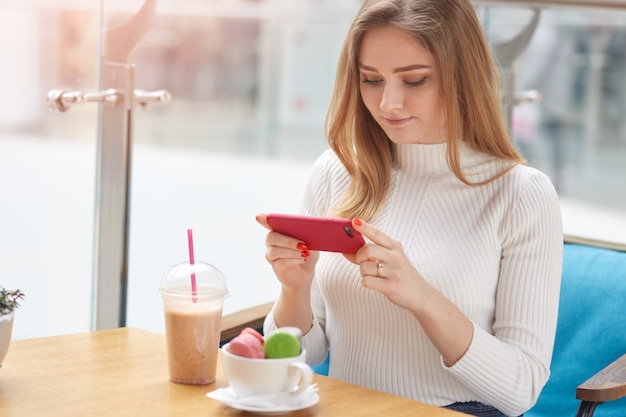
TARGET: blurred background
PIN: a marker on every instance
(250, 82)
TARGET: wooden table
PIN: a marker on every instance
(123, 372)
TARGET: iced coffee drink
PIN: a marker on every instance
(192, 323)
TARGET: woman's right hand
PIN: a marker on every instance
(291, 261)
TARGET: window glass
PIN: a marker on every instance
(250, 82)
(576, 133)
(47, 163)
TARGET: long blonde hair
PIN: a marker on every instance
(469, 90)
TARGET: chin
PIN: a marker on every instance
(414, 139)
(397, 138)
(403, 140)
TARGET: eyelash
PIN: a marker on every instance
(368, 81)
(409, 83)
(417, 83)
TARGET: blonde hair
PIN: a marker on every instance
(469, 90)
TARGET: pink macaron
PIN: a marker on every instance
(247, 345)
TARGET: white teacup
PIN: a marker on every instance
(249, 377)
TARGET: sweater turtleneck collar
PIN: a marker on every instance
(431, 159)
(425, 159)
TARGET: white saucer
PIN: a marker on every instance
(314, 399)
(227, 397)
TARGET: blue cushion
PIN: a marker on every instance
(591, 330)
(322, 368)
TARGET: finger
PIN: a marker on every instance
(380, 269)
(350, 257)
(373, 283)
(285, 241)
(372, 233)
(277, 253)
(261, 218)
(279, 239)
(372, 269)
(284, 266)
(370, 254)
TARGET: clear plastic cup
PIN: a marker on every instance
(193, 321)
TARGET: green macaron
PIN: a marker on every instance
(282, 343)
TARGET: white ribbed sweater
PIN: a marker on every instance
(494, 250)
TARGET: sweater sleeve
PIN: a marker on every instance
(510, 368)
(316, 202)
(315, 340)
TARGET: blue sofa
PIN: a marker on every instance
(591, 330)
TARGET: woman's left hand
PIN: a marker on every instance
(385, 267)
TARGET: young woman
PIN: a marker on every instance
(453, 301)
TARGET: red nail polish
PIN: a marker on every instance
(305, 254)
(358, 221)
(257, 218)
(302, 246)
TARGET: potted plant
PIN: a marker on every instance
(9, 302)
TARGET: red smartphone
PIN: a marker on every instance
(319, 233)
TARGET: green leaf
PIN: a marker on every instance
(9, 300)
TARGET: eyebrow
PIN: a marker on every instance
(396, 70)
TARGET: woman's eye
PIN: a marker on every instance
(416, 83)
(366, 80)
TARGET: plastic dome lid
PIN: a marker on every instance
(177, 280)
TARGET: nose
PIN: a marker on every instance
(392, 98)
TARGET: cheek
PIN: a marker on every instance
(431, 103)
(438, 112)
(370, 99)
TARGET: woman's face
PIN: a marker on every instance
(400, 87)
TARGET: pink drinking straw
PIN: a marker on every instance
(194, 290)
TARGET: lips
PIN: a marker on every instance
(397, 121)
